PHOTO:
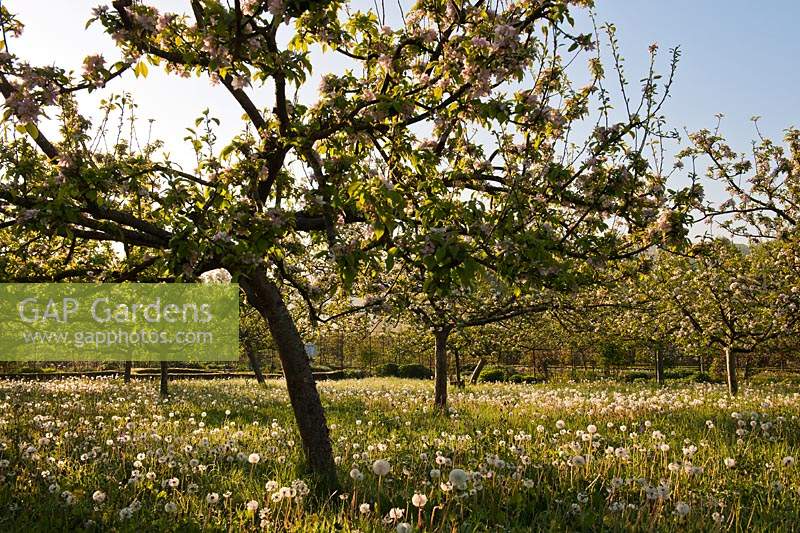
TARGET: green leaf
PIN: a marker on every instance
(141, 69)
(32, 130)
(439, 255)
(226, 152)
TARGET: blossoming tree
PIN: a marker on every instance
(762, 204)
(763, 187)
(733, 299)
(538, 210)
(445, 145)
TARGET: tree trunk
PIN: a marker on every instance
(163, 389)
(265, 296)
(730, 369)
(440, 376)
(127, 374)
(255, 364)
(659, 366)
(477, 372)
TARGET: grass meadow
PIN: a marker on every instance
(82, 454)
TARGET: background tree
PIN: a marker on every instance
(732, 299)
(763, 187)
(536, 213)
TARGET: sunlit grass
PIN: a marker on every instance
(100, 454)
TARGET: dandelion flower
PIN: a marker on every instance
(419, 500)
(458, 478)
(381, 467)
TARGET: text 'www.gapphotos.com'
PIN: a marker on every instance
(81, 339)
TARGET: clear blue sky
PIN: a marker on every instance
(739, 58)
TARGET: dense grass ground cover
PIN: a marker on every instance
(225, 456)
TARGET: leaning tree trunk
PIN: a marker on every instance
(659, 366)
(255, 364)
(163, 389)
(440, 376)
(265, 296)
(730, 370)
(127, 375)
(476, 373)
